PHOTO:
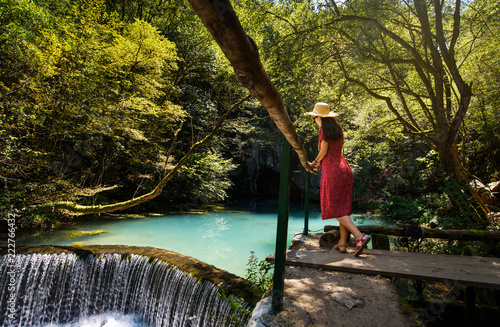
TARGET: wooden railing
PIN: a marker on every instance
(380, 234)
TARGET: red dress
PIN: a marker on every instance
(336, 181)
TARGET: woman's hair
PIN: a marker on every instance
(331, 129)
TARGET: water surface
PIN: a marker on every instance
(224, 239)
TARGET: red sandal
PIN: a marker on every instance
(361, 244)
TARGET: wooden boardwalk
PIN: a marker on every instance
(471, 271)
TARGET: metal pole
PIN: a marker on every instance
(281, 230)
(306, 204)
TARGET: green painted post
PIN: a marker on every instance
(306, 204)
(281, 230)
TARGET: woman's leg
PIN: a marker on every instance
(347, 223)
(341, 245)
(361, 239)
(343, 234)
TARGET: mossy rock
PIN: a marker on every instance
(86, 233)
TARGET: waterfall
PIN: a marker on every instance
(45, 289)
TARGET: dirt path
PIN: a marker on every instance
(326, 298)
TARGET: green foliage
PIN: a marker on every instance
(347, 56)
(203, 180)
(259, 273)
(480, 136)
(467, 215)
(91, 93)
(402, 209)
(434, 206)
(91, 97)
(208, 173)
(238, 307)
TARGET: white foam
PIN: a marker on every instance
(108, 319)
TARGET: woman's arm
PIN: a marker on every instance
(321, 154)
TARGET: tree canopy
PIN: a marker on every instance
(104, 102)
(393, 68)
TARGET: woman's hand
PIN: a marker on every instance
(314, 164)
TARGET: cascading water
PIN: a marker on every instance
(44, 290)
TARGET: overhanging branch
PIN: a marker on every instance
(221, 21)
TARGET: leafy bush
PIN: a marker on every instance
(401, 208)
(464, 214)
(259, 274)
(203, 180)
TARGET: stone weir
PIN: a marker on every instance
(232, 283)
(57, 284)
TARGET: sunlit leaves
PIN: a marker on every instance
(93, 92)
(140, 56)
(207, 177)
(481, 50)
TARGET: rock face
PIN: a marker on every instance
(258, 174)
(489, 193)
(264, 167)
(494, 188)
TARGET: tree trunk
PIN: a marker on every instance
(220, 19)
(442, 50)
(447, 160)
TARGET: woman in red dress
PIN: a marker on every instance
(336, 177)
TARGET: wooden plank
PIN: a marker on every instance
(471, 271)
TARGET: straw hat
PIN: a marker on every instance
(322, 109)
